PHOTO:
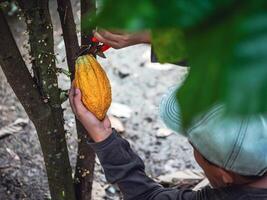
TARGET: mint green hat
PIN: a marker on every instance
(170, 115)
(233, 143)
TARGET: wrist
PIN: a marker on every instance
(100, 134)
(144, 37)
(140, 37)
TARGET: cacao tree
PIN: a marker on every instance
(40, 95)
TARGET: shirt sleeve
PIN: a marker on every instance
(126, 169)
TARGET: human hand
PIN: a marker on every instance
(118, 40)
(97, 130)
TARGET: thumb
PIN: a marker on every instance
(78, 101)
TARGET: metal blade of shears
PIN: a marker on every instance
(100, 54)
(84, 50)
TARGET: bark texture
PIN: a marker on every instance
(40, 95)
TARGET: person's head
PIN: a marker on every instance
(231, 150)
(220, 177)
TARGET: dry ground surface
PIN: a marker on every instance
(136, 83)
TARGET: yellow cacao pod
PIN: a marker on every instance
(94, 85)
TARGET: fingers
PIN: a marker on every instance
(115, 40)
(118, 40)
(78, 104)
(104, 40)
(111, 35)
(75, 98)
(96, 129)
(118, 32)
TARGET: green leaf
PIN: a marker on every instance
(247, 75)
(225, 43)
(126, 14)
(144, 14)
(64, 96)
(228, 65)
(169, 45)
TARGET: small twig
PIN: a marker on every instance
(12, 128)
(64, 71)
(4, 135)
(6, 167)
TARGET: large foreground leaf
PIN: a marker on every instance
(225, 43)
(169, 45)
(228, 65)
(143, 14)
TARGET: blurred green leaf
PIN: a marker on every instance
(169, 45)
(224, 41)
(126, 14)
(144, 14)
(228, 65)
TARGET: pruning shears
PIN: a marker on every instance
(95, 47)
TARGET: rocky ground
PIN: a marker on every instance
(137, 87)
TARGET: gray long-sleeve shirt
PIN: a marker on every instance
(126, 169)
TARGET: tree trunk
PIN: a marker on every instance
(40, 96)
(86, 156)
(84, 186)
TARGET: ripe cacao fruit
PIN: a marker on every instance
(94, 85)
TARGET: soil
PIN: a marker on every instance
(136, 83)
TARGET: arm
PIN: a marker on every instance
(121, 165)
(119, 40)
(125, 168)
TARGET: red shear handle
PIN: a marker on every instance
(94, 39)
(104, 47)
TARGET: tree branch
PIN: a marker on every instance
(69, 33)
(41, 40)
(18, 75)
